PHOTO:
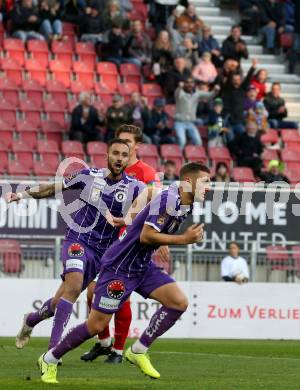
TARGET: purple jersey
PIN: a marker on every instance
(98, 196)
(165, 213)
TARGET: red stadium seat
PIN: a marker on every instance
(10, 257)
(86, 53)
(127, 89)
(147, 150)
(6, 135)
(12, 69)
(15, 49)
(96, 148)
(296, 256)
(58, 92)
(151, 91)
(17, 168)
(3, 161)
(61, 72)
(34, 91)
(8, 111)
(9, 91)
(290, 135)
(278, 258)
(195, 153)
(36, 71)
(55, 112)
(170, 110)
(291, 158)
(243, 175)
(31, 112)
(78, 86)
(49, 152)
(271, 137)
(292, 174)
(131, 73)
(27, 132)
(286, 41)
(220, 155)
(63, 51)
(41, 168)
(23, 152)
(173, 153)
(152, 161)
(39, 51)
(98, 161)
(52, 131)
(84, 73)
(268, 155)
(72, 149)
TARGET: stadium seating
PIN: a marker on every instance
(9, 90)
(39, 51)
(72, 149)
(86, 53)
(36, 71)
(148, 150)
(173, 153)
(291, 158)
(15, 49)
(220, 154)
(33, 90)
(296, 256)
(243, 175)
(278, 258)
(131, 73)
(58, 92)
(96, 148)
(63, 51)
(195, 153)
(42, 168)
(271, 137)
(10, 257)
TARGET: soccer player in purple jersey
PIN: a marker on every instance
(127, 267)
(106, 194)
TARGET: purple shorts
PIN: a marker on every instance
(79, 257)
(112, 289)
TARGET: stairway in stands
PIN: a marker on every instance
(221, 21)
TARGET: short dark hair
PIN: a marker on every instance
(236, 26)
(170, 162)
(276, 83)
(193, 167)
(233, 243)
(116, 141)
(135, 130)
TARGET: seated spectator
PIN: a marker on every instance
(138, 48)
(92, 26)
(234, 92)
(204, 106)
(50, 14)
(209, 44)
(73, 11)
(250, 9)
(247, 148)
(114, 14)
(260, 83)
(189, 16)
(170, 80)
(289, 16)
(233, 267)
(170, 171)
(273, 174)
(218, 133)
(26, 21)
(115, 116)
(234, 46)
(188, 50)
(272, 21)
(183, 31)
(275, 105)
(137, 112)
(205, 71)
(113, 45)
(158, 126)
(260, 116)
(162, 54)
(187, 98)
(85, 121)
(222, 175)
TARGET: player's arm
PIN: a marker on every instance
(151, 236)
(37, 192)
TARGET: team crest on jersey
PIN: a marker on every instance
(162, 219)
(120, 196)
(95, 194)
(75, 250)
(116, 289)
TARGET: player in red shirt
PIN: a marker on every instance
(145, 173)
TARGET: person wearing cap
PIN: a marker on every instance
(158, 126)
(115, 116)
(205, 70)
(218, 133)
(92, 26)
(274, 173)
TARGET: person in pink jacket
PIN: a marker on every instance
(205, 70)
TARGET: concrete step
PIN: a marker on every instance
(278, 69)
(221, 30)
(221, 37)
(255, 50)
(203, 12)
(284, 78)
(203, 3)
(291, 97)
(218, 21)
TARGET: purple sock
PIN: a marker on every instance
(61, 318)
(162, 320)
(75, 337)
(42, 314)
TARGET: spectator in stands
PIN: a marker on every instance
(273, 174)
(183, 31)
(218, 132)
(187, 98)
(259, 115)
(272, 20)
(170, 171)
(158, 126)
(138, 48)
(204, 106)
(250, 9)
(160, 11)
(73, 11)
(234, 46)
(85, 121)
(293, 56)
(189, 16)
(277, 110)
(162, 54)
(229, 67)
(26, 21)
(234, 268)
(169, 82)
(188, 50)
(137, 112)
(50, 14)
(205, 70)
(247, 148)
(115, 116)
(209, 44)
(250, 99)
(260, 83)
(114, 14)
(92, 26)
(234, 92)
(113, 45)
(222, 175)
(289, 16)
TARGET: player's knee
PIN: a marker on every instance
(95, 327)
(180, 303)
(73, 291)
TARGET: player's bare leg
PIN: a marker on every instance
(174, 303)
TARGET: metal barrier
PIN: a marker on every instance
(41, 259)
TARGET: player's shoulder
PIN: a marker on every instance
(149, 173)
(96, 172)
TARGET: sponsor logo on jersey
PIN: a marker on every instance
(75, 250)
(109, 303)
(74, 263)
(116, 289)
(95, 194)
(162, 219)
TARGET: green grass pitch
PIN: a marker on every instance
(183, 364)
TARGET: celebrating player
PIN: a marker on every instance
(106, 193)
(127, 267)
(143, 172)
